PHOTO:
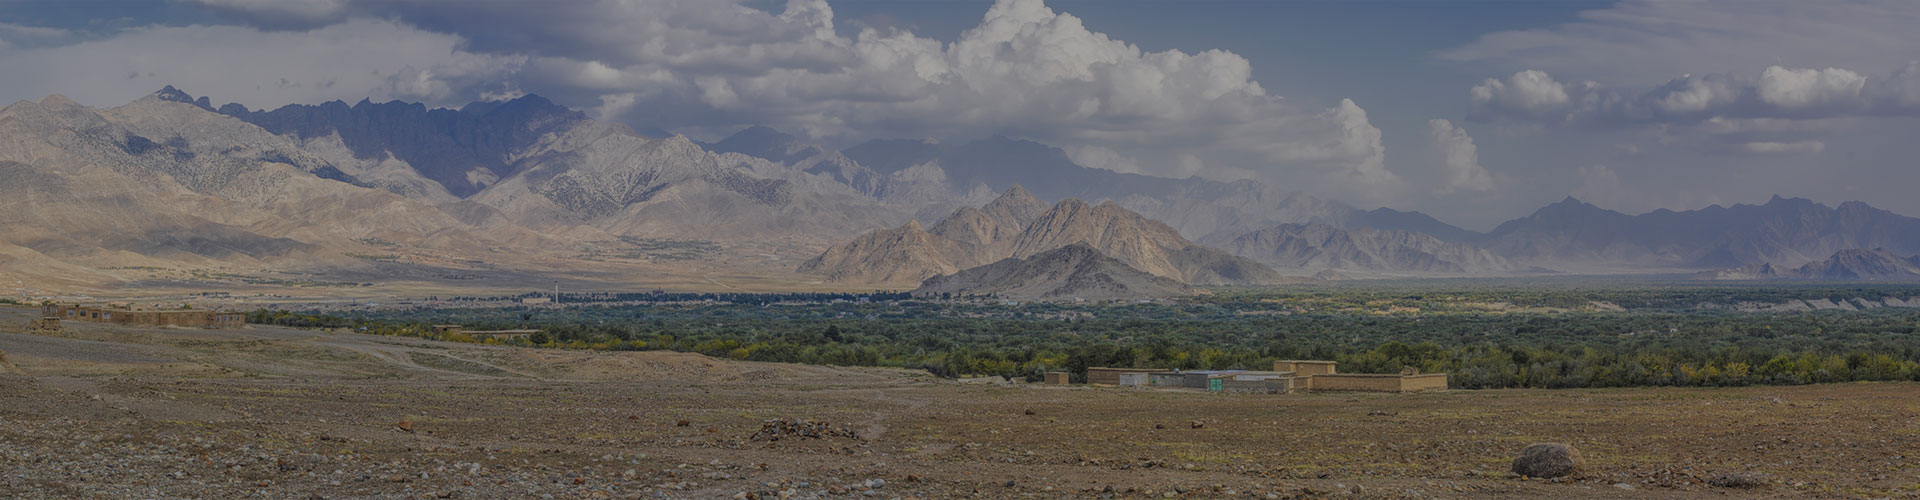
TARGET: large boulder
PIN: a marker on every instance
(1548, 460)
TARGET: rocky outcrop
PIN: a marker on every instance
(1075, 271)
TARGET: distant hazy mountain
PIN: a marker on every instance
(1321, 246)
(1073, 271)
(1845, 265)
(463, 151)
(1014, 226)
(1782, 231)
(1198, 208)
(163, 182)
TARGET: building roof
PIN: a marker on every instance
(1310, 361)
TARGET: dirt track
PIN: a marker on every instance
(116, 412)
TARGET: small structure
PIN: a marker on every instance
(1111, 376)
(1325, 377)
(182, 317)
(501, 334)
(1305, 368)
(1059, 378)
(1130, 379)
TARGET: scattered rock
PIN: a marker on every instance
(1741, 480)
(404, 425)
(1029, 411)
(774, 430)
(683, 423)
(1547, 460)
(1198, 424)
(1159, 426)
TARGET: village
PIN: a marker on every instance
(1287, 376)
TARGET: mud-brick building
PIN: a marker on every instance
(1111, 376)
(187, 318)
(1325, 376)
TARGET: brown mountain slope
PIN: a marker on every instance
(1013, 226)
(1145, 244)
(1075, 271)
(987, 233)
(901, 255)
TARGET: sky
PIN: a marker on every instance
(1473, 111)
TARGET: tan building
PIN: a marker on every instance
(1111, 376)
(1305, 368)
(189, 318)
(1059, 378)
(1324, 376)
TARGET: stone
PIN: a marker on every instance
(1547, 460)
(1741, 480)
(404, 425)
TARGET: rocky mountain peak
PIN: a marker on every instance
(171, 94)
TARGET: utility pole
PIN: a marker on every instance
(556, 292)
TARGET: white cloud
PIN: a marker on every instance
(707, 67)
(20, 34)
(713, 66)
(1099, 157)
(1804, 88)
(1643, 42)
(350, 61)
(1783, 148)
(1459, 157)
(1774, 93)
(280, 14)
(1530, 91)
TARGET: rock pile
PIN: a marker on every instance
(776, 429)
(44, 325)
(1547, 460)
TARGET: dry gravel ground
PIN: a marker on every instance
(120, 412)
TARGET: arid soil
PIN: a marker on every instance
(124, 412)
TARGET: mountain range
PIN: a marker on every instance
(171, 185)
(1845, 265)
(1018, 225)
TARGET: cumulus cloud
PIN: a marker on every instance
(1528, 92)
(712, 66)
(709, 67)
(1458, 157)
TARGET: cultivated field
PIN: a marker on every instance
(100, 411)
